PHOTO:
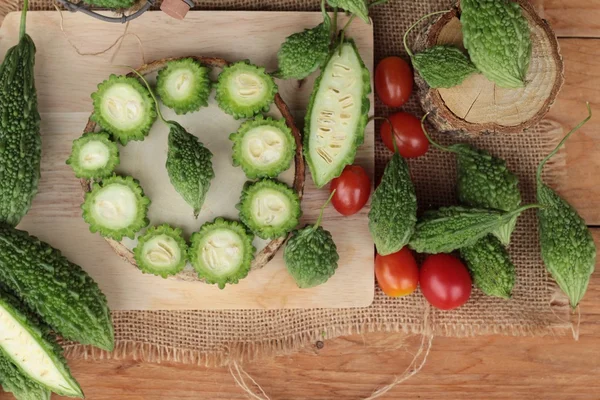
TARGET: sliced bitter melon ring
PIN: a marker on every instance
(161, 251)
(94, 155)
(124, 247)
(184, 85)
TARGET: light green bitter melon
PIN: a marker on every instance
(189, 162)
(221, 252)
(484, 181)
(568, 248)
(337, 114)
(269, 208)
(452, 228)
(16, 382)
(497, 36)
(161, 251)
(393, 213)
(263, 147)
(28, 345)
(123, 107)
(441, 66)
(244, 90)
(20, 140)
(310, 254)
(303, 52)
(60, 292)
(94, 156)
(491, 268)
(184, 85)
(116, 207)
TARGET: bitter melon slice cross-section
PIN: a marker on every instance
(161, 251)
(184, 85)
(337, 114)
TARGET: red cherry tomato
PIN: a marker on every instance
(393, 81)
(352, 190)
(410, 139)
(397, 274)
(445, 281)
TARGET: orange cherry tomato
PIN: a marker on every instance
(397, 273)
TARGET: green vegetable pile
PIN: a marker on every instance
(497, 38)
(42, 294)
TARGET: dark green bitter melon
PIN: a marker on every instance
(16, 382)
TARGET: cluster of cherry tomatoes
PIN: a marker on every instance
(444, 279)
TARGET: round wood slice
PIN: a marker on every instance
(478, 105)
(145, 161)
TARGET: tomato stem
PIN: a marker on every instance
(410, 53)
(562, 142)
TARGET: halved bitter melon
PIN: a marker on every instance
(161, 251)
(244, 90)
(116, 207)
(123, 106)
(263, 147)
(221, 252)
(32, 350)
(269, 208)
(337, 114)
(184, 85)
(94, 155)
(15, 382)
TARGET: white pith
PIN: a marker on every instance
(270, 208)
(161, 251)
(263, 145)
(123, 106)
(93, 155)
(247, 88)
(336, 112)
(115, 206)
(222, 252)
(180, 83)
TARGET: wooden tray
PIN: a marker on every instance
(65, 81)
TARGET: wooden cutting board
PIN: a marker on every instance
(65, 80)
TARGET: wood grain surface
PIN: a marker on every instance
(488, 367)
(65, 105)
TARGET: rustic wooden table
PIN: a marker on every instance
(488, 367)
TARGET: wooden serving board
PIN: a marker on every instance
(65, 80)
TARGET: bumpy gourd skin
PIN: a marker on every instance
(568, 249)
(196, 77)
(303, 52)
(204, 271)
(443, 66)
(252, 193)
(20, 141)
(30, 323)
(244, 90)
(497, 36)
(148, 114)
(484, 181)
(102, 139)
(173, 243)
(393, 212)
(358, 7)
(491, 268)
(142, 203)
(15, 382)
(189, 166)
(311, 256)
(62, 293)
(336, 161)
(271, 169)
(112, 4)
(452, 228)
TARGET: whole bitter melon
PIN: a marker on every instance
(20, 140)
(62, 293)
(568, 248)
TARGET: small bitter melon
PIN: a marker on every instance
(123, 107)
(263, 147)
(221, 252)
(244, 90)
(116, 207)
(184, 85)
(161, 251)
(568, 248)
(269, 208)
(94, 155)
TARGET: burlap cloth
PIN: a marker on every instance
(214, 337)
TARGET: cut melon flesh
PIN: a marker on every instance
(162, 252)
(247, 88)
(222, 252)
(94, 155)
(270, 208)
(22, 348)
(335, 115)
(264, 146)
(180, 84)
(123, 106)
(115, 206)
